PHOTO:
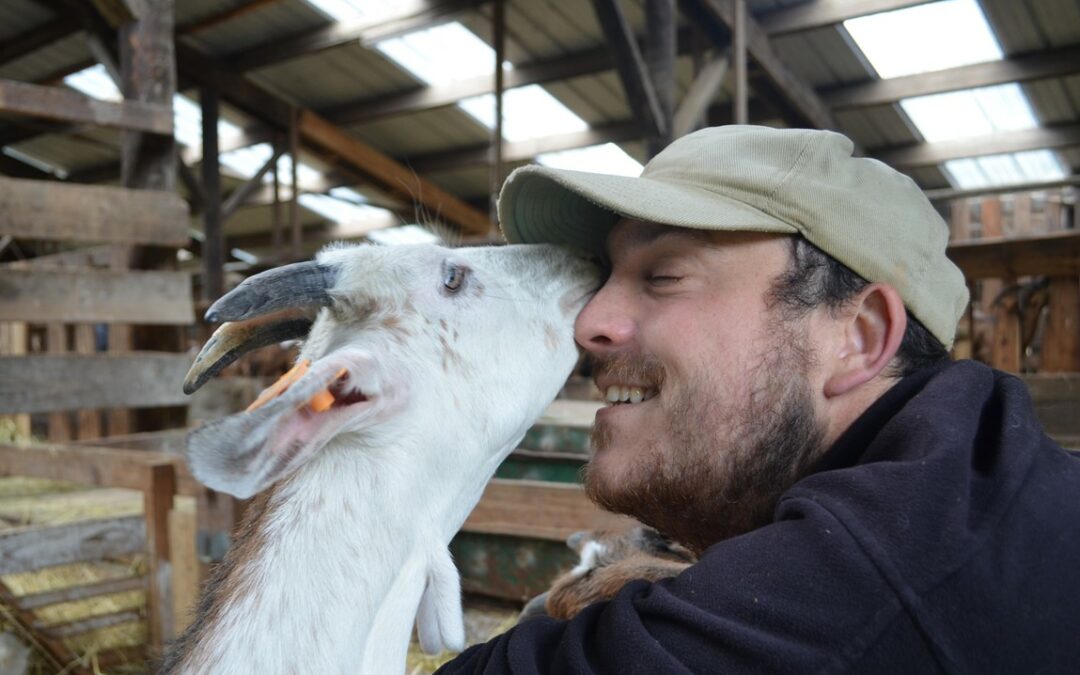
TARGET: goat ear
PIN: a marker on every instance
(245, 453)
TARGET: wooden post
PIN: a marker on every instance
(213, 244)
(660, 47)
(89, 419)
(158, 500)
(276, 238)
(14, 342)
(740, 112)
(294, 201)
(60, 421)
(499, 29)
(149, 161)
(1005, 346)
(1061, 340)
(185, 561)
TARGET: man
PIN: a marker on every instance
(774, 329)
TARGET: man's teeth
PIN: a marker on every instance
(620, 394)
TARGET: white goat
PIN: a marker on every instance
(450, 355)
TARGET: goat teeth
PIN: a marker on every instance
(637, 394)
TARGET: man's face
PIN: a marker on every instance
(721, 417)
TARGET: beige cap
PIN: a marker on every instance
(866, 215)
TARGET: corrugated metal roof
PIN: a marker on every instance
(537, 30)
(21, 16)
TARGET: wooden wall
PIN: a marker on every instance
(1019, 253)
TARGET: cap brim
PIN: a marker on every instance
(544, 205)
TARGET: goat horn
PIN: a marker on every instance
(302, 284)
(234, 339)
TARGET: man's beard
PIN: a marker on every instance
(727, 464)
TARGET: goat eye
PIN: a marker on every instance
(454, 277)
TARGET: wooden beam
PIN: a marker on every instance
(96, 296)
(67, 105)
(701, 94)
(741, 86)
(637, 83)
(391, 176)
(71, 593)
(930, 154)
(96, 622)
(30, 548)
(31, 209)
(540, 510)
(822, 13)
(417, 15)
(948, 194)
(805, 101)
(1051, 254)
(327, 139)
(523, 151)
(1023, 68)
(244, 192)
(476, 155)
(661, 19)
(86, 464)
(45, 383)
(224, 16)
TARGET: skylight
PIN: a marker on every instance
(247, 161)
(1033, 166)
(971, 112)
(95, 82)
(451, 53)
(441, 55)
(528, 112)
(924, 38)
(405, 234)
(353, 10)
(607, 158)
(339, 206)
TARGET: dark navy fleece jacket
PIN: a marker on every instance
(941, 533)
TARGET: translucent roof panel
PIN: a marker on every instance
(971, 112)
(337, 210)
(451, 52)
(352, 10)
(95, 82)
(1033, 166)
(405, 234)
(607, 158)
(440, 55)
(528, 112)
(247, 162)
(923, 38)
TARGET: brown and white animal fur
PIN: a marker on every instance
(608, 561)
(346, 542)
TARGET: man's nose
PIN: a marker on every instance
(606, 323)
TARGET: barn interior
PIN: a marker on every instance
(157, 152)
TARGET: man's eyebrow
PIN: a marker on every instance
(647, 236)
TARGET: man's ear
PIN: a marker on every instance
(871, 328)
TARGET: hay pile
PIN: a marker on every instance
(35, 502)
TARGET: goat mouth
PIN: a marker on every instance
(344, 395)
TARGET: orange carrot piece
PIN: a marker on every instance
(325, 398)
(282, 383)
